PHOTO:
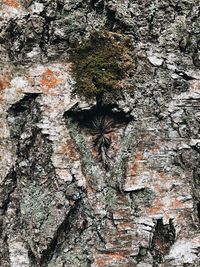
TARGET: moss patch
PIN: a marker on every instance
(100, 64)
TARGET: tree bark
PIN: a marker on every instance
(59, 205)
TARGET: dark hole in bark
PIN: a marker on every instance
(185, 76)
(198, 210)
(100, 122)
(60, 7)
(163, 239)
(98, 5)
(9, 188)
(24, 103)
(62, 232)
(110, 18)
(23, 117)
(85, 117)
(33, 259)
(187, 265)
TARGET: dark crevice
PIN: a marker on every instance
(6, 190)
(45, 37)
(163, 239)
(111, 21)
(61, 234)
(33, 259)
(101, 237)
(24, 115)
(18, 114)
(9, 187)
(85, 117)
(97, 5)
(100, 122)
(23, 104)
(198, 210)
(33, 149)
(184, 76)
(195, 58)
(60, 7)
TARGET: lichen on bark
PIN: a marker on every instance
(99, 133)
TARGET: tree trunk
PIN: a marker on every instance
(59, 205)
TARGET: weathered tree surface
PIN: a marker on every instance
(113, 186)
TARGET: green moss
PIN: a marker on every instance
(100, 64)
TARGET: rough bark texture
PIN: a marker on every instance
(66, 200)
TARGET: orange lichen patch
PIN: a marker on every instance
(68, 149)
(125, 225)
(139, 155)
(101, 262)
(163, 176)
(163, 181)
(135, 165)
(115, 141)
(157, 183)
(12, 3)
(4, 81)
(184, 215)
(1, 98)
(90, 188)
(159, 187)
(176, 204)
(94, 152)
(49, 80)
(157, 207)
(179, 217)
(114, 136)
(121, 213)
(132, 170)
(104, 260)
(122, 199)
(125, 240)
(156, 148)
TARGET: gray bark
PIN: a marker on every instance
(59, 204)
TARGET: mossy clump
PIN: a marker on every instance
(100, 64)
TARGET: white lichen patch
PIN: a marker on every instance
(18, 253)
(183, 251)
